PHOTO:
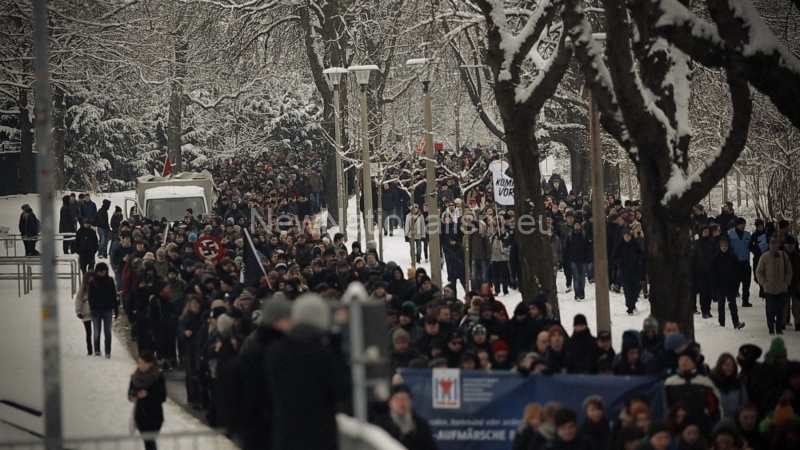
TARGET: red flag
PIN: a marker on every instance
(420, 147)
(167, 168)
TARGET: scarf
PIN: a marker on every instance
(143, 380)
(405, 424)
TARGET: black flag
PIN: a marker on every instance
(253, 269)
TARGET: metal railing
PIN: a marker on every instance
(25, 275)
(10, 241)
(353, 435)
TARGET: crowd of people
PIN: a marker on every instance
(266, 361)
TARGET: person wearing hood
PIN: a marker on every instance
(402, 424)
(793, 299)
(557, 353)
(658, 438)
(306, 378)
(100, 221)
(630, 358)
(519, 331)
(103, 303)
(651, 340)
(454, 257)
(582, 347)
(732, 392)
(704, 250)
(406, 320)
(162, 321)
(595, 427)
(399, 287)
(402, 350)
(87, 244)
(725, 281)
(148, 391)
(67, 224)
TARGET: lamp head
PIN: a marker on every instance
(362, 73)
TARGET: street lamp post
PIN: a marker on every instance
(425, 65)
(362, 77)
(334, 75)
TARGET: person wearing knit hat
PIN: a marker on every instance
(402, 424)
(307, 379)
(694, 390)
(725, 435)
(192, 238)
(658, 436)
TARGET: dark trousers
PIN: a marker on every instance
(579, 271)
(728, 297)
(30, 247)
(68, 246)
(568, 273)
(86, 262)
(87, 327)
(500, 276)
(193, 392)
(102, 319)
(702, 286)
(631, 290)
(775, 305)
(745, 276)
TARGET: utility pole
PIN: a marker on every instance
(362, 76)
(599, 226)
(430, 171)
(51, 349)
(334, 78)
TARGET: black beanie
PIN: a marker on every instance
(564, 416)
(579, 319)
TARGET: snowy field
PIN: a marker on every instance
(94, 389)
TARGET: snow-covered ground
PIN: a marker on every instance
(94, 389)
(714, 339)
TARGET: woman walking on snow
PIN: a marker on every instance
(83, 310)
(148, 391)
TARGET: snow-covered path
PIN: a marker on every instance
(94, 389)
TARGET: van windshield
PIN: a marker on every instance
(174, 209)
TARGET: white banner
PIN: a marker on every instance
(503, 188)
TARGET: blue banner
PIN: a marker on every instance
(482, 410)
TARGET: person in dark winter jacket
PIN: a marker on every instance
(595, 428)
(403, 424)
(67, 224)
(30, 232)
(629, 258)
(88, 207)
(103, 228)
(630, 358)
(86, 243)
(582, 347)
(161, 317)
(305, 379)
(189, 327)
(103, 302)
(577, 251)
(725, 281)
(567, 436)
(454, 256)
(694, 390)
(704, 250)
(148, 391)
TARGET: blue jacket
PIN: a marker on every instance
(740, 247)
(88, 210)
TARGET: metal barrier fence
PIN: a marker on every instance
(10, 241)
(25, 275)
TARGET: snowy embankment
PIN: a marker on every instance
(94, 389)
(714, 339)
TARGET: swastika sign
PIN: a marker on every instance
(209, 248)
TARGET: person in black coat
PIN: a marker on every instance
(148, 391)
(103, 228)
(305, 380)
(103, 302)
(454, 256)
(30, 234)
(629, 258)
(577, 251)
(630, 358)
(582, 347)
(67, 224)
(86, 245)
(390, 212)
(403, 424)
(704, 250)
(725, 281)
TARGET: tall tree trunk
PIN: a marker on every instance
(59, 108)
(174, 128)
(26, 143)
(669, 246)
(579, 168)
(535, 254)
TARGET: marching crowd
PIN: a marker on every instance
(266, 361)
